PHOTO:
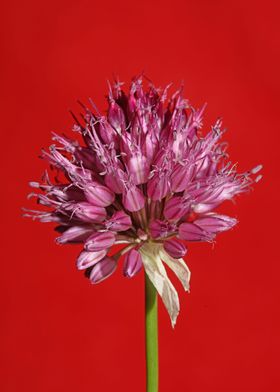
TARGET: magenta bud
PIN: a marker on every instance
(116, 117)
(74, 234)
(214, 223)
(103, 270)
(120, 221)
(158, 187)
(192, 232)
(132, 263)
(175, 248)
(88, 213)
(151, 144)
(176, 207)
(88, 259)
(99, 195)
(161, 229)
(133, 199)
(100, 241)
(139, 168)
(113, 180)
(108, 134)
(181, 177)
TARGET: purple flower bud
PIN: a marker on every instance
(158, 187)
(86, 212)
(107, 133)
(133, 199)
(175, 248)
(132, 263)
(99, 195)
(176, 207)
(116, 117)
(102, 270)
(214, 223)
(151, 145)
(192, 232)
(119, 221)
(139, 168)
(181, 177)
(74, 234)
(100, 241)
(88, 259)
(113, 180)
(161, 229)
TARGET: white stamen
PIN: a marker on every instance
(256, 169)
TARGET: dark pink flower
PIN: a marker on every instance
(132, 263)
(103, 270)
(175, 248)
(100, 241)
(142, 175)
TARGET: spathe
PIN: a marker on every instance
(152, 257)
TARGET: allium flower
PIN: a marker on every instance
(144, 176)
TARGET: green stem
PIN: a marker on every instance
(151, 336)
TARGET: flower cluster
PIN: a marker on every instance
(144, 176)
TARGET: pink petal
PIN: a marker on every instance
(133, 199)
(132, 263)
(86, 212)
(161, 229)
(176, 207)
(181, 177)
(74, 234)
(215, 223)
(158, 187)
(139, 168)
(100, 241)
(99, 195)
(103, 270)
(88, 259)
(119, 221)
(192, 232)
(175, 248)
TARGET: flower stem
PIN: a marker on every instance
(151, 336)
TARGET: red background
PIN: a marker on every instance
(58, 332)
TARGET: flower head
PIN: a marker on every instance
(143, 176)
